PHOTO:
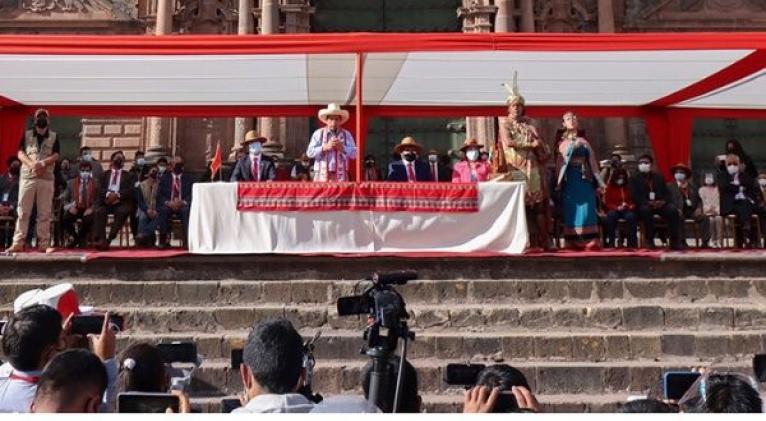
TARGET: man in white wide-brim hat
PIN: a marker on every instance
(332, 147)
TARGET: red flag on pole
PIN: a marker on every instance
(215, 165)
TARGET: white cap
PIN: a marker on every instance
(62, 297)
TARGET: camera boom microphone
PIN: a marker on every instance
(394, 278)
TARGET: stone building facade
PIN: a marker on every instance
(196, 138)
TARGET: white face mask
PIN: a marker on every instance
(680, 177)
(644, 168)
(433, 158)
(732, 169)
(762, 182)
(472, 155)
(87, 157)
(255, 148)
(709, 181)
(620, 181)
(85, 174)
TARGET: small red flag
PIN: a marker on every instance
(215, 165)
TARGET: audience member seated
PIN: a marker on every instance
(440, 172)
(647, 406)
(471, 169)
(79, 201)
(86, 155)
(30, 339)
(302, 170)
(711, 208)
(619, 204)
(272, 370)
(722, 393)
(733, 147)
(143, 369)
(74, 381)
(738, 195)
(174, 195)
(760, 209)
(614, 163)
(146, 202)
(140, 169)
(115, 197)
(685, 197)
(371, 170)
(254, 166)
(283, 168)
(409, 167)
(9, 197)
(62, 174)
(410, 400)
(652, 198)
(495, 381)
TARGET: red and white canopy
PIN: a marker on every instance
(667, 78)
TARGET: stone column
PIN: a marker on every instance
(614, 127)
(504, 18)
(157, 127)
(269, 126)
(527, 16)
(477, 17)
(294, 133)
(245, 26)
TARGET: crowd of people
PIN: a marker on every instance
(49, 369)
(593, 204)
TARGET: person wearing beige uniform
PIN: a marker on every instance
(38, 152)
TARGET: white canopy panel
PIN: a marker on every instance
(747, 93)
(611, 78)
(284, 79)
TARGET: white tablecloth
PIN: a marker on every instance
(217, 227)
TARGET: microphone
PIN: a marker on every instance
(393, 278)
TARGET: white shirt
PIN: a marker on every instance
(289, 403)
(114, 182)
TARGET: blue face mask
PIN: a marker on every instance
(255, 148)
(140, 162)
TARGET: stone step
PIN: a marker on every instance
(215, 377)
(662, 315)
(505, 346)
(107, 293)
(453, 403)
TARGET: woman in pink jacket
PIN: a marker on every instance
(471, 169)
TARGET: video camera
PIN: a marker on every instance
(387, 323)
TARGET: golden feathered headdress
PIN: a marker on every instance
(514, 96)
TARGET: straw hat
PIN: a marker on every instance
(683, 167)
(333, 110)
(408, 143)
(253, 136)
(471, 143)
(514, 97)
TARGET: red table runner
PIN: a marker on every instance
(382, 197)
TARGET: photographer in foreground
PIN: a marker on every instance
(74, 381)
(500, 388)
(143, 369)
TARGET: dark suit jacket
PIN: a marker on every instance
(639, 188)
(10, 187)
(242, 171)
(678, 199)
(728, 191)
(445, 172)
(127, 183)
(398, 172)
(165, 189)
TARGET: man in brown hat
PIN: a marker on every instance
(685, 196)
(38, 152)
(332, 147)
(254, 166)
(410, 168)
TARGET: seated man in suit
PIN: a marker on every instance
(685, 196)
(115, 196)
(649, 191)
(254, 166)
(440, 172)
(79, 202)
(738, 197)
(9, 197)
(174, 197)
(410, 168)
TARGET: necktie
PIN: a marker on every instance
(114, 180)
(83, 194)
(411, 173)
(176, 187)
(434, 172)
(254, 169)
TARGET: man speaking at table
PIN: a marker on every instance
(332, 147)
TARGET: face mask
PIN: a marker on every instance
(762, 182)
(472, 155)
(732, 169)
(161, 168)
(620, 181)
(408, 156)
(709, 181)
(117, 163)
(141, 162)
(15, 171)
(178, 169)
(153, 174)
(87, 157)
(41, 122)
(85, 174)
(433, 158)
(255, 148)
(644, 167)
(680, 177)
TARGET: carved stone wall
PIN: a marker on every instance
(104, 136)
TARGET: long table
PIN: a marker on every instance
(217, 227)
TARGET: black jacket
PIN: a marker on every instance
(243, 172)
(642, 184)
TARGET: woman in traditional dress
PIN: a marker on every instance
(578, 180)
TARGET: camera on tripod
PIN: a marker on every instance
(387, 323)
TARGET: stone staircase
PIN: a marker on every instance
(584, 344)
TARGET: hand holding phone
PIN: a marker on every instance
(148, 403)
(677, 383)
